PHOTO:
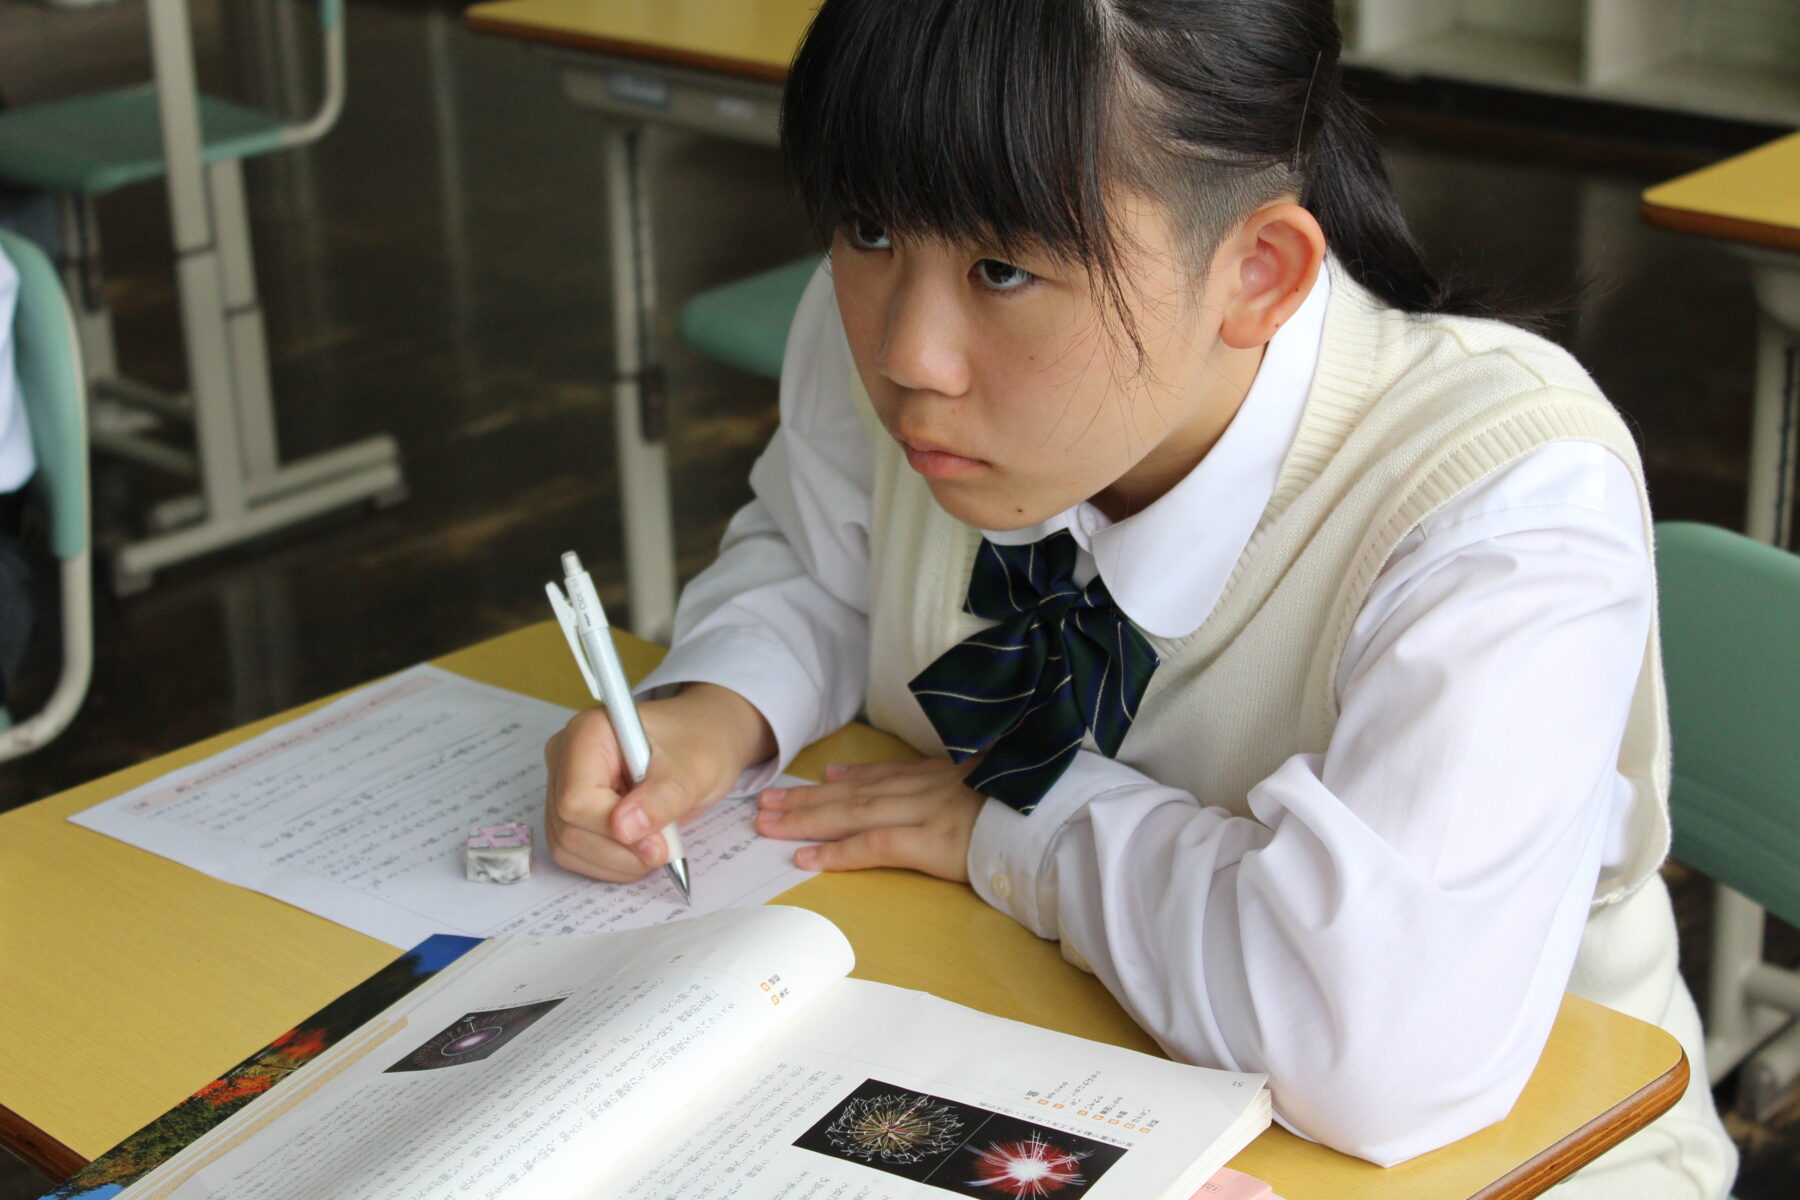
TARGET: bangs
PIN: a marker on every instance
(973, 121)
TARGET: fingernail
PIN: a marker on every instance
(772, 797)
(650, 850)
(835, 771)
(633, 825)
(767, 820)
(804, 856)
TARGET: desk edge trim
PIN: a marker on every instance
(37, 1149)
(1650, 1102)
(1734, 229)
(623, 49)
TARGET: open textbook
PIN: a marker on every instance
(725, 1056)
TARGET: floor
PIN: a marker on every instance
(434, 269)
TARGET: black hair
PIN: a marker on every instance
(1007, 123)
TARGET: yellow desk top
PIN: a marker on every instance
(756, 38)
(130, 980)
(1753, 197)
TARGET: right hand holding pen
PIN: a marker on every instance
(599, 824)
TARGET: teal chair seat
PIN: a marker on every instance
(745, 324)
(90, 145)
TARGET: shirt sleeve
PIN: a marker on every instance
(781, 616)
(1389, 934)
(16, 458)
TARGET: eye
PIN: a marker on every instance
(1002, 276)
(865, 234)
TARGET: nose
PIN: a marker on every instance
(925, 343)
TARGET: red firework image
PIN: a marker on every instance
(1031, 1167)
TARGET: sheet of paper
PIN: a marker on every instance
(533, 1063)
(878, 1093)
(358, 813)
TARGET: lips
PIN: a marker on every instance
(935, 462)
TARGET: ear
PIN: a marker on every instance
(1267, 266)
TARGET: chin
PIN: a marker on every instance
(984, 510)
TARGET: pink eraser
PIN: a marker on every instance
(499, 837)
(1234, 1185)
(498, 853)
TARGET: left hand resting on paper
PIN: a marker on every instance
(916, 814)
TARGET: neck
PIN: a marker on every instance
(1212, 404)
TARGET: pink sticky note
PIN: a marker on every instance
(1233, 1185)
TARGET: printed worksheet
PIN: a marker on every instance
(358, 812)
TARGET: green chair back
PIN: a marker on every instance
(746, 323)
(89, 145)
(50, 379)
(1731, 652)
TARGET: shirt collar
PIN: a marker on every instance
(1212, 512)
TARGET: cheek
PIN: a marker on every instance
(1060, 405)
(858, 306)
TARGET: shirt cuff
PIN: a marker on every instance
(764, 673)
(1009, 863)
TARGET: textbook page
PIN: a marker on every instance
(885, 1094)
(358, 813)
(532, 1068)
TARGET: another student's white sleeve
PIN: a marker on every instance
(1390, 935)
(16, 459)
(781, 617)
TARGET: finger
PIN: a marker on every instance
(594, 854)
(588, 771)
(866, 772)
(814, 795)
(895, 847)
(896, 783)
(649, 806)
(844, 818)
(553, 752)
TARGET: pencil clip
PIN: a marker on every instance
(565, 616)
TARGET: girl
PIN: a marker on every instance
(1278, 626)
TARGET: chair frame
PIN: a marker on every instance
(73, 541)
(244, 490)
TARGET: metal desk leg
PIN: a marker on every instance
(1768, 515)
(639, 422)
(1750, 999)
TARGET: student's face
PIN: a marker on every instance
(1012, 392)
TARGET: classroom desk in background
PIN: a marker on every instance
(131, 980)
(713, 67)
(1752, 203)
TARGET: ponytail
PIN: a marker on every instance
(1347, 188)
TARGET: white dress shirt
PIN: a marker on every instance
(16, 461)
(1466, 805)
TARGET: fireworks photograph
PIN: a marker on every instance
(475, 1036)
(1010, 1159)
(957, 1147)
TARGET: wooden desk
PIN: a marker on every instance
(752, 38)
(130, 980)
(1752, 202)
(704, 66)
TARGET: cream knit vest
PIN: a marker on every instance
(1404, 414)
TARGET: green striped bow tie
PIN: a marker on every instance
(1060, 661)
